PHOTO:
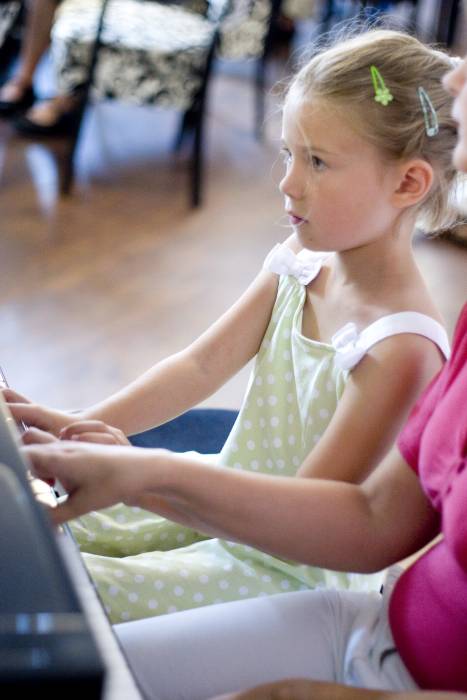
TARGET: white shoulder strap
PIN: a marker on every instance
(351, 346)
(304, 266)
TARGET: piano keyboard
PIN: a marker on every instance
(119, 683)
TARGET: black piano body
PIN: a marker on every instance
(54, 634)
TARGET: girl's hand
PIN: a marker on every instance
(294, 689)
(290, 689)
(34, 416)
(34, 436)
(94, 431)
(94, 476)
(303, 689)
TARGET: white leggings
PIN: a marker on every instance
(327, 635)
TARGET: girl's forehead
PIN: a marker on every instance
(312, 117)
(308, 103)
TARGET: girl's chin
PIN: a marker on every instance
(309, 243)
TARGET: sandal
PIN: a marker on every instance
(53, 118)
(11, 107)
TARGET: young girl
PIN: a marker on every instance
(345, 340)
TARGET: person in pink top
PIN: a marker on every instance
(428, 608)
(314, 645)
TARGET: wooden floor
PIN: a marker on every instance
(96, 287)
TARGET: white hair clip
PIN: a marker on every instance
(429, 113)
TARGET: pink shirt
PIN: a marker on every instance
(428, 608)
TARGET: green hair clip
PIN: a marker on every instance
(382, 93)
(429, 113)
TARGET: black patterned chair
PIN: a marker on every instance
(10, 17)
(154, 52)
(139, 51)
(9, 13)
(247, 33)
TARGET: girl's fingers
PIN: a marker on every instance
(83, 426)
(12, 396)
(34, 436)
(120, 437)
(98, 438)
(80, 429)
(34, 416)
(289, 689)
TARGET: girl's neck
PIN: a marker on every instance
(372, 266)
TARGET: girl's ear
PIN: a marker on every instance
(416, 178)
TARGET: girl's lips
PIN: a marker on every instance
(295, 220)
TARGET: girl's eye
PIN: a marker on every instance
(286, 156)
(317, 163)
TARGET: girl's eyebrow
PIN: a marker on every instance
(310, 147)
(317, 149)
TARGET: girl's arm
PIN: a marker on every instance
(302, 689)
(325, 523)
(376, 400)
(178, 382)
(186, 378)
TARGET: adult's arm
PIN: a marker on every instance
(315, 521)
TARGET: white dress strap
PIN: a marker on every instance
(351, 346)
(304, 266)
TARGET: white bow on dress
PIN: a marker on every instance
(304, 266)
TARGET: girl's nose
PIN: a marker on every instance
(293, 184)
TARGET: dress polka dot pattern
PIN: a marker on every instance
(144, 565)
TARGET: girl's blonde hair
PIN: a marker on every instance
(341, 73)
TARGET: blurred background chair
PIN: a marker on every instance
(162, 54)
(337, 10)
(139, 51)
(443, 19)
(10, 20)
(248, 32)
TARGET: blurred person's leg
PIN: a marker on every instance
(17, 95)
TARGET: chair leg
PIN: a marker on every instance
(67, 171)
(197, 161)
(11, 45)
(260, 73)
(449, 11)
(187, 125)
(260, 82)
(67, 175)
(180, 136)
(327, 15)
(191, 127)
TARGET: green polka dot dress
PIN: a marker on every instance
(144, 565)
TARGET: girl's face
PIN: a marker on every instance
(336, 186)
(455, 83)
